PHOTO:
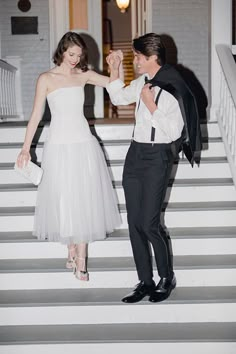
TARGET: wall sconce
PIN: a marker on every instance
(122, 4)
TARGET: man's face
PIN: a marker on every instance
(144, 64)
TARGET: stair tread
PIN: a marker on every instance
(84, 297)
(114, 264)
(190, 206)
(170, 207)
(103, 142)
(187, 232)
(213, 159)
(204, 160)
(182, 232)
(118, 184)
(148, 332)
(106, 121)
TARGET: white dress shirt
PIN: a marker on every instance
(167, 118)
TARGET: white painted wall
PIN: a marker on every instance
(221, 29)
(33, 49)
(187, 23)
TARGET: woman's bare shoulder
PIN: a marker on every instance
(47, 78)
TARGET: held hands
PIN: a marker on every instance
(23, 158)
(114, 59)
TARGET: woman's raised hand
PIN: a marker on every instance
(114, 59)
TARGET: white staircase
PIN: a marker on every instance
(44, 309)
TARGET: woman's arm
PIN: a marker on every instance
(115, 58)
(96, 79)
(36, 115)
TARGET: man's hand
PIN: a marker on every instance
(114, 59)
(148, 97)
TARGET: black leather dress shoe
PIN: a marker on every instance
(163, 289)
(140, 291)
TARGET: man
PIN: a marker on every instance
(163, 123)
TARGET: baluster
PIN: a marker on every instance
(13, 94)
(1, 97)
(8, 104)
(227, 115)
(232, 127)
(4, 92)
(223, 99)
(221, 108)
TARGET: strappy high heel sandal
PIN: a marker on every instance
(70, 264)
(80, 270)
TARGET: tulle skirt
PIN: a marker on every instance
(75, 200)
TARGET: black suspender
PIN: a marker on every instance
(153, 132)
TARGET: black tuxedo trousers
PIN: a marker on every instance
(145, 179)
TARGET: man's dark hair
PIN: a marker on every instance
(69, 40)
(150, 44)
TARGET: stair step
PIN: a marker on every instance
(103, 128)
(120, 333)
(67, 342)
(56, 307)
(21, 219)
(116, 247)
(169, 207)
(18, 145)
(120, 162)
(223, 276)
(15, 187)
(85, 297)
(26, 196)
(43, 308)
(181, 232)
(115, 264)
(115, 272)
(111, 313)
(113, 149)
(209, 169)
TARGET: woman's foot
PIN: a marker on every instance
(80, 270)
(70, 264)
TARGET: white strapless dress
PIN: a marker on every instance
(75, 200)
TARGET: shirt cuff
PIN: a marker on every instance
(114, 86)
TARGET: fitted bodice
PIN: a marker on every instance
(68, 123)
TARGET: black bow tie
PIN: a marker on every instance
(147, 81)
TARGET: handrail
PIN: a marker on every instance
(227, 104)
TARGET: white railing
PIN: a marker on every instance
(8, 108)
(227, 106)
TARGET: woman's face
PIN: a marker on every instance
(71, 56)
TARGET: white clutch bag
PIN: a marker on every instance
(31, 172)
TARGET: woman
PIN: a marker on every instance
(76, 203)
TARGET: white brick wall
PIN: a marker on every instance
(33, 49)
(188, 23)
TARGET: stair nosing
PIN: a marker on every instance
(104, 142)
(110, 296)
(57, 265)
(11, 187)
(118, 333)
(168, 207)
(123, 234)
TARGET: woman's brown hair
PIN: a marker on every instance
(69, 40)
